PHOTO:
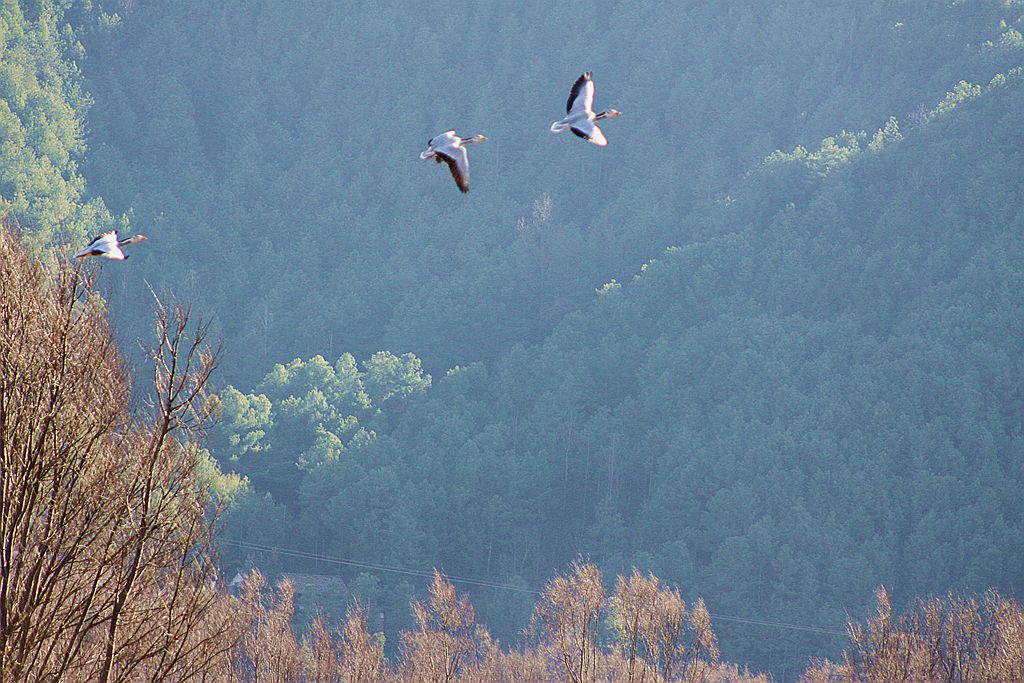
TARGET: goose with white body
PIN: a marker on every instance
(108, 246)
(579, 112)
(451, 149)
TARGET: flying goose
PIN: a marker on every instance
(108, 246)
(579, 113)
(450, 148)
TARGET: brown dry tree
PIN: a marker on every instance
(567, 619)
(269, 652)
(106, 567)
(667, 641)
(654, 643)
(446, 640)
(322, 663)
(361, 654)
(955, 640)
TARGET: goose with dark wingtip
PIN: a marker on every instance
(579, 112)
(108, 246)
(451, 149)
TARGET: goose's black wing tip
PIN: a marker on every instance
(576, 87)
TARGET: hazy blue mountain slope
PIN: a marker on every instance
(780, 417)
(813, 391)
(275, 146)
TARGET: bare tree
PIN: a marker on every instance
(955, 640)
(669, 643)
(651, 624)
(321, 658)
(270, 652)
(567, 619)
(446, 639)
(106, 569)
(361, 654)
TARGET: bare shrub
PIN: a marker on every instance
(651, 625)
(567, 619)
(956, 639)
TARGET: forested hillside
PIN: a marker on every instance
(272, 149)
(41, 132)
(822, 397)
(767, 344)
(108, 516)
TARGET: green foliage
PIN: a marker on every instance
(245, 419)
(42, 107)
(832, 154)
(963, 92)
(307, 414)
(388, 375)
(225, 487)
(886, 135)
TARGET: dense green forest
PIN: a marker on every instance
(278, 143)
(42, 135)
(766, 344)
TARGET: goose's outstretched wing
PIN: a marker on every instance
(105, 236)
(589, 131)
(581, 97)
(104, 245)
(458, 163)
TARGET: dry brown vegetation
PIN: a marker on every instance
(105, 569)
(954, 640)
(656, 639)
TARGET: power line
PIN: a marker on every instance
(779, 624)
(377, 567)
(245, 545)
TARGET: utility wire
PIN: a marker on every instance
(245, 545)
(377, 567)
(779, 624)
